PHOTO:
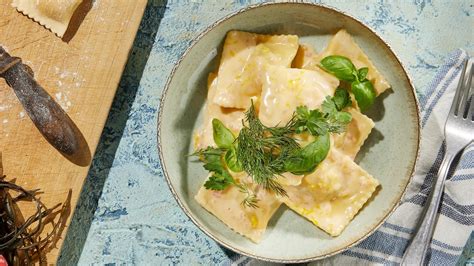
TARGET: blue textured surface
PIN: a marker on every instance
(126, 214)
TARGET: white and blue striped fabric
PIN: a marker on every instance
(456, 222)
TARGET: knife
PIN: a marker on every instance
(47, 115)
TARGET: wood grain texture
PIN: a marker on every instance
(81, 75)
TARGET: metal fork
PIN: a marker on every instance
(459, 132)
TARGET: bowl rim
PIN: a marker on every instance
(188, 211)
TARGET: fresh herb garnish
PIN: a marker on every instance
(267, 152)
(305, 160)
(340, 66)
(219, 160)
(262, 150)
(344, 69)
(364, 93)
(220, 179)
(223, 137)
(330, 118)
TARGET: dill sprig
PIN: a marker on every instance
(262, 150)
(250, 199)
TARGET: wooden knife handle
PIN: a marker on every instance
(50, 119)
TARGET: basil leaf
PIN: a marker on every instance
(223, 137)
(362, 73)
(306, 159)
(364, 94)
(231, 161)
(340, 66)
(341, 98)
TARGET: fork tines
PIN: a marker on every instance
(463, 104)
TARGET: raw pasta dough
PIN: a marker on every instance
(53, 14)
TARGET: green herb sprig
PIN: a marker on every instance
(330, 118)
(262, 150)
(344, 69)
(267, 152)
(219, 160)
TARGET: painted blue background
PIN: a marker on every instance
(126, 214)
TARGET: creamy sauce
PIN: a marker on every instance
(284, 89)
(244, 57)
(332, 195)
(356, 133)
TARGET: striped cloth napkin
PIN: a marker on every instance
(456, 222)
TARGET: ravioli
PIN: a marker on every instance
(231, 118)
(333, 194)
(304, 56)
(53, 14)
(244, 56)
(357, 131)
(343, 44)
(227, 206)
(284, 89)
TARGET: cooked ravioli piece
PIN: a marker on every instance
(304, 56)
(289, 179)
(244, 56)
(350, 141)
(333, 194)
(227, 206)
(284, 89)
(231, 118)
(343, 44)
(53, 14)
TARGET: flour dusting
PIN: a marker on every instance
(63, 100)
(5, 107)
(66, 81)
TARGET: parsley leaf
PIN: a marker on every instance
(218, 160)
(312, 121)
(219, 181)
(329, 119)
(212, 159)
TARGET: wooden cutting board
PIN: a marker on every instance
(81, 75)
